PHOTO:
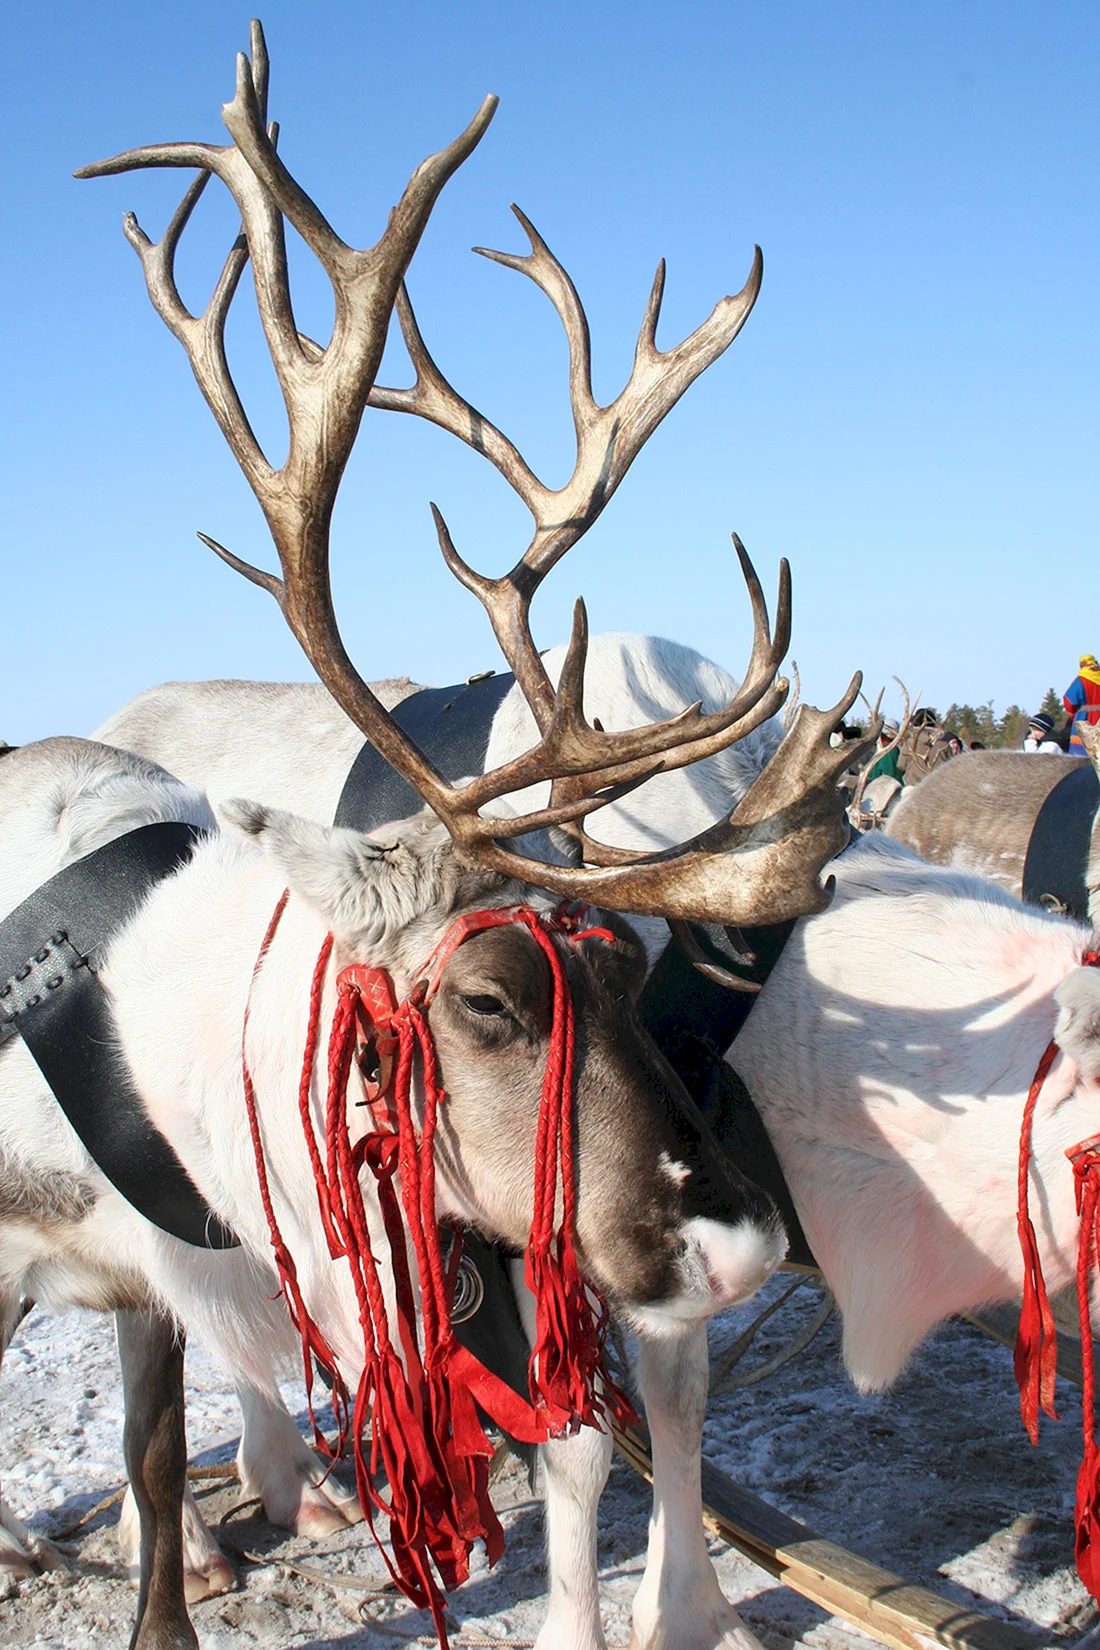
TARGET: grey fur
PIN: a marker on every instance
(49, 1198)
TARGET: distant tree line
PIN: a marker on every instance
(1005, 732)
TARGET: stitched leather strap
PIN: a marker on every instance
(50, 947)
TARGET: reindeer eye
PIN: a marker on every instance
(485, 1005)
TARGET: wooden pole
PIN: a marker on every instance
(871, 1598)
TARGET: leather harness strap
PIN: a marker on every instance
(1058, 851)
(50, 947)
(450, 725)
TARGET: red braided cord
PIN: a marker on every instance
(313, 1343)
(1036, 1345)
(1087, 1511)
(305, 1088)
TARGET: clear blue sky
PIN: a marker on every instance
(910, 414)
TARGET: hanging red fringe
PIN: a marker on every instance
(1037, 1343)
(421, 1395)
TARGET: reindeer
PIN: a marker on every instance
(982, 815)
(680, 1234)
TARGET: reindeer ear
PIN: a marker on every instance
(1077, 1032)
(365, 890)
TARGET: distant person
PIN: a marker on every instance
(1082, 701)
(976, 745)
(888, 764)
(955, 746)
(1040, 740)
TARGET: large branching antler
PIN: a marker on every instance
(760, 864)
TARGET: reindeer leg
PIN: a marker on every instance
(206, 1570)
(575, 1472)
(679, 1604)
(21, 1553)
(151, 1354)
(277, 1465)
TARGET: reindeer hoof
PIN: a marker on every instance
(720, 1628)
(206, 1570)
(322, 1510)
(22, 1554)
(216, 1576)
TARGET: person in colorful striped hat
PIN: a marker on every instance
(1082, 700)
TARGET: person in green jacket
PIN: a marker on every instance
(888, 765)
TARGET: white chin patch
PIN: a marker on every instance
(723, 1265)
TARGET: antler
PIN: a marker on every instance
(761, 863)
(608, 439)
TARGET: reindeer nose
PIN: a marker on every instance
(738, 1257)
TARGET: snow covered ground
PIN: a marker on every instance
(936, 1481)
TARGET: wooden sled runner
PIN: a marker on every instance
(873, 1599)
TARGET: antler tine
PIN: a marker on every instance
(551, 277)
(796, 694)
(571, 749)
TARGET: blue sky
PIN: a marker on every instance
(910, 414)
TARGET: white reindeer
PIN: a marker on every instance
(389, 900)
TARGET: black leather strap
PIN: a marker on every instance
(1058, 852)
(450, 725)
(50, 947)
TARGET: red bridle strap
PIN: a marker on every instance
(422, 1400)
(1037, 1343)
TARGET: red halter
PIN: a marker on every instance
(1037, 1342)
(423, 1399)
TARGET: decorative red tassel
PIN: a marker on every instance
(1037, 1342)
(1036, 1346)
(1086, 1177)
(426, 1434)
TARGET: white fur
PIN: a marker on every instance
(914, 1012)
(723, 1264)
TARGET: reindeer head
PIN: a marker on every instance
(666, 1227)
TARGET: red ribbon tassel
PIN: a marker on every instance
(420, 1389)
(1036, 1345)
(1036, 1354)
(1086, 1178)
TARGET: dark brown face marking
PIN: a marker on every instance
(49, 1198)
(635, 1121)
